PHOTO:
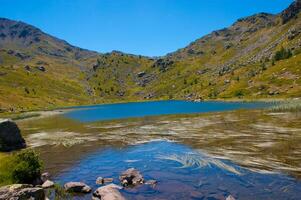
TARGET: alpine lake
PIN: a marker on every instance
(195, 150)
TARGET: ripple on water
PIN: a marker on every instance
(181, 172)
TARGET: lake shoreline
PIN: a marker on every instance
(59, 110)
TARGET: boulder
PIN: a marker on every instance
(108, 192)
(48, 184)
(10, 136)
(21, 191)
(77, 187)
(131, 177)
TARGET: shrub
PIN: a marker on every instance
(283, 54)
(21, 167)
(238, 93)
(27, 167)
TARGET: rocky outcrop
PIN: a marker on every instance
(77, 187)
(131, 177)
(163, 64)
(10, 136)
(291, 12)
(21, 191)
(108, 192)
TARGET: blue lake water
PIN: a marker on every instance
(154, 108)
(249, 154)
(182, 173)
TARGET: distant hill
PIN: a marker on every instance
(257, 57)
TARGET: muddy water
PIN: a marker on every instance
(249, 154)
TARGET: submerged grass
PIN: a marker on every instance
(293, 105)
(199, 161)
(58, 193)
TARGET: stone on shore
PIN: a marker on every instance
(22, 191)
(10, 136)
(108, 192)
(45, 176)
(131, 177)
(77, 187)
(48, 184)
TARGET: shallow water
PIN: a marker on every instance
(182, 173)
(250, 154)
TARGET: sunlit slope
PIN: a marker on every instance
(257, 57)
(239, 61)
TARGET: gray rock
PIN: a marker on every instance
(48, 184)
(141, 74)
(21, 191)
(108, 192)
(77, 187)
(131, 177)
(230, 197)
(151, 182)
(10, 136)
(99, 181)
(108, 180)
(41, 68)
(45, 176)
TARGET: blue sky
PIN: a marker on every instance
(145, 27)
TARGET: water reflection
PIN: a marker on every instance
(181, 172)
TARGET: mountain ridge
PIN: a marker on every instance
(256, 57)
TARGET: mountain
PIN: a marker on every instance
(257, 57)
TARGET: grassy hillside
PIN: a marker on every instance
(257, 57)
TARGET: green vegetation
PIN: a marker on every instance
(287, 106)
(283, 54)
(58, 192)
(233, 63)
(22, 167)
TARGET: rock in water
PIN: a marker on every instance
(10, 136)
(151, 182)
(77, 187)
(101, 181)
(21, 191)
(108, 192)
(131, 177)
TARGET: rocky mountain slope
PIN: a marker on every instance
(257, 57)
